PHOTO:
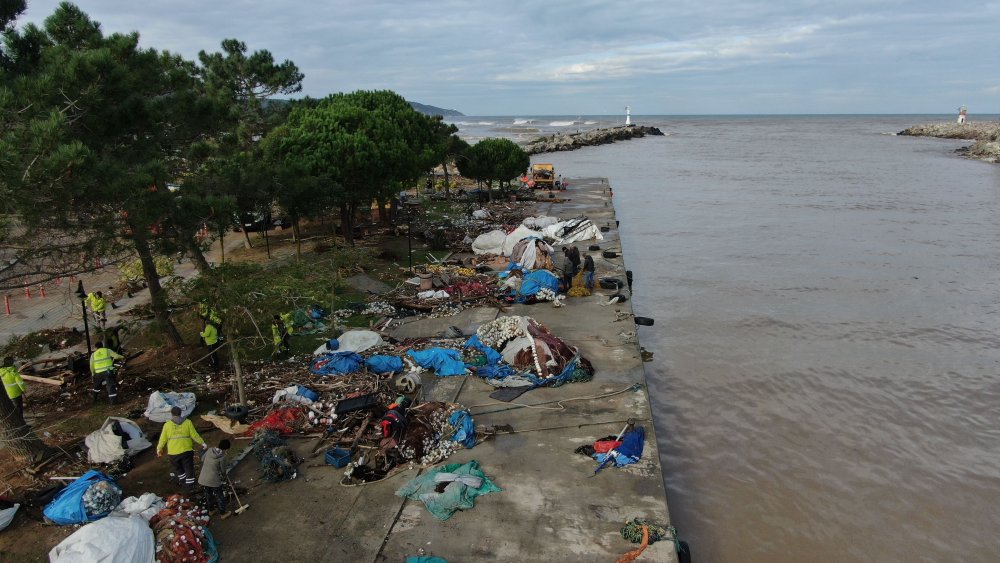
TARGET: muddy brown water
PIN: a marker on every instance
(826, 380)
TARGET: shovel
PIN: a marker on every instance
(238, 501)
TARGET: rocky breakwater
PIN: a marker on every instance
(985, 134)
(573, 141)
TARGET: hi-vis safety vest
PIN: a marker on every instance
(12, 382)
(210, 334)
(102, 360)
(97, 304)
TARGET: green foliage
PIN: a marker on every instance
(131, 271)
(494, 159)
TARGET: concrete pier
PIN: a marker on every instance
(552, 508)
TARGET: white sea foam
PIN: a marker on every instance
(590, 123)
(486, 123)
(520, 121)
(561, 123)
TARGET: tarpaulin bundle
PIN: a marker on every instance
(181, 533)
(630, 450)
(465, 428)
(109, 540)
(443, 361)
(68, 506)
(532, 253)
(462, 483)
(534, 282)
(336, 363)
(492, 356)
(284, 421)
(384, 364)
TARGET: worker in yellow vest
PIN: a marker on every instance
(178, 438)
(98, 305)
(102, 368)
(210, 337)
(280, 337)
(13, 384)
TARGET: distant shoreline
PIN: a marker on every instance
(985, 134)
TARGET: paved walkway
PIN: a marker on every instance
(61, 307)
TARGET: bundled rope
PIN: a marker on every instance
(630, 556)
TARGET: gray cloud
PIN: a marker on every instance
(592, 56)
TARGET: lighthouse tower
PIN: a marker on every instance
(628, 115)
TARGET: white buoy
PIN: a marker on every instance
(628, 115)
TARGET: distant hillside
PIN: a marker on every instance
(431, 110)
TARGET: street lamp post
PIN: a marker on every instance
(83, 304)
(409, 238)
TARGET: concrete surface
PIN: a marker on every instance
(552, 508)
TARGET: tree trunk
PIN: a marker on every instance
(17, 437)
(157, 296)
(447, 183)
(298, 236)
(383, 212)
(237, 366)
(246, 234)
(347, 223)
(222, 244)
(197, 256)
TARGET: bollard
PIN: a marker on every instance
(41, 289)
(27, 292)
(6, 302)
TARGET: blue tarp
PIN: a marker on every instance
(534, 282)
(629, 452)
(384, 364)
(465, 432)
(495, 371)
(67, 506)
(492, 356)
(337, 363)
(443, 361)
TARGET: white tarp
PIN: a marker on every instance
(104, 446)
(158, 408)
(145, 506)
(517, 236)
(358, 340)
(489, 243)
(481, 214)
(526, 253)
(539, 222)
(108, 540)
(574, 230)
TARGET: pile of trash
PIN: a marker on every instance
(519, 351)
(181, 532)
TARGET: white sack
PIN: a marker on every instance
(481, 214)
(431, 294)
(7, 515)
(517, 236)
(489, 243)
(158, 408)
(539, 222)
(108, 540)
(358, 341)
(104, 446)
(145, 506)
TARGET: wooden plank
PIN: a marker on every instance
(48, 380)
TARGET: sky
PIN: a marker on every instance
(594, 57)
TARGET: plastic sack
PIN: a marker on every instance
(7, 515)
(384, 364)
(443, 361)
(112, 540)
(358, 340)
(336, 363)
(145, 506)
(104, 446)
(158, 408)
(67, 507)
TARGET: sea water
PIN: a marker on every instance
(826, 377)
